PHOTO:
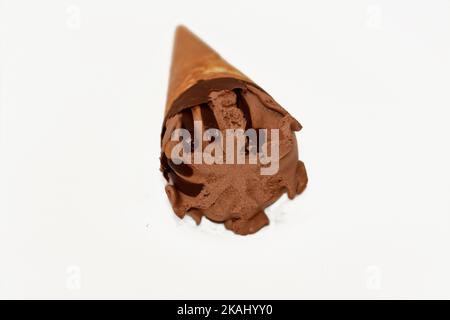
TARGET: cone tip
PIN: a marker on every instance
(181, 28)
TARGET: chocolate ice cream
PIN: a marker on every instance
(205, 92)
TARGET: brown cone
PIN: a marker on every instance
(192, 61)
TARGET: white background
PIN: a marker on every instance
(83, 212)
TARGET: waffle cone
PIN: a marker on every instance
(194, 62)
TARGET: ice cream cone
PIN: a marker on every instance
(194, 64)
(205, 89)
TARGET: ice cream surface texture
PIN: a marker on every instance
(204, 89)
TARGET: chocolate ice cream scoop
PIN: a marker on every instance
(207, 99)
